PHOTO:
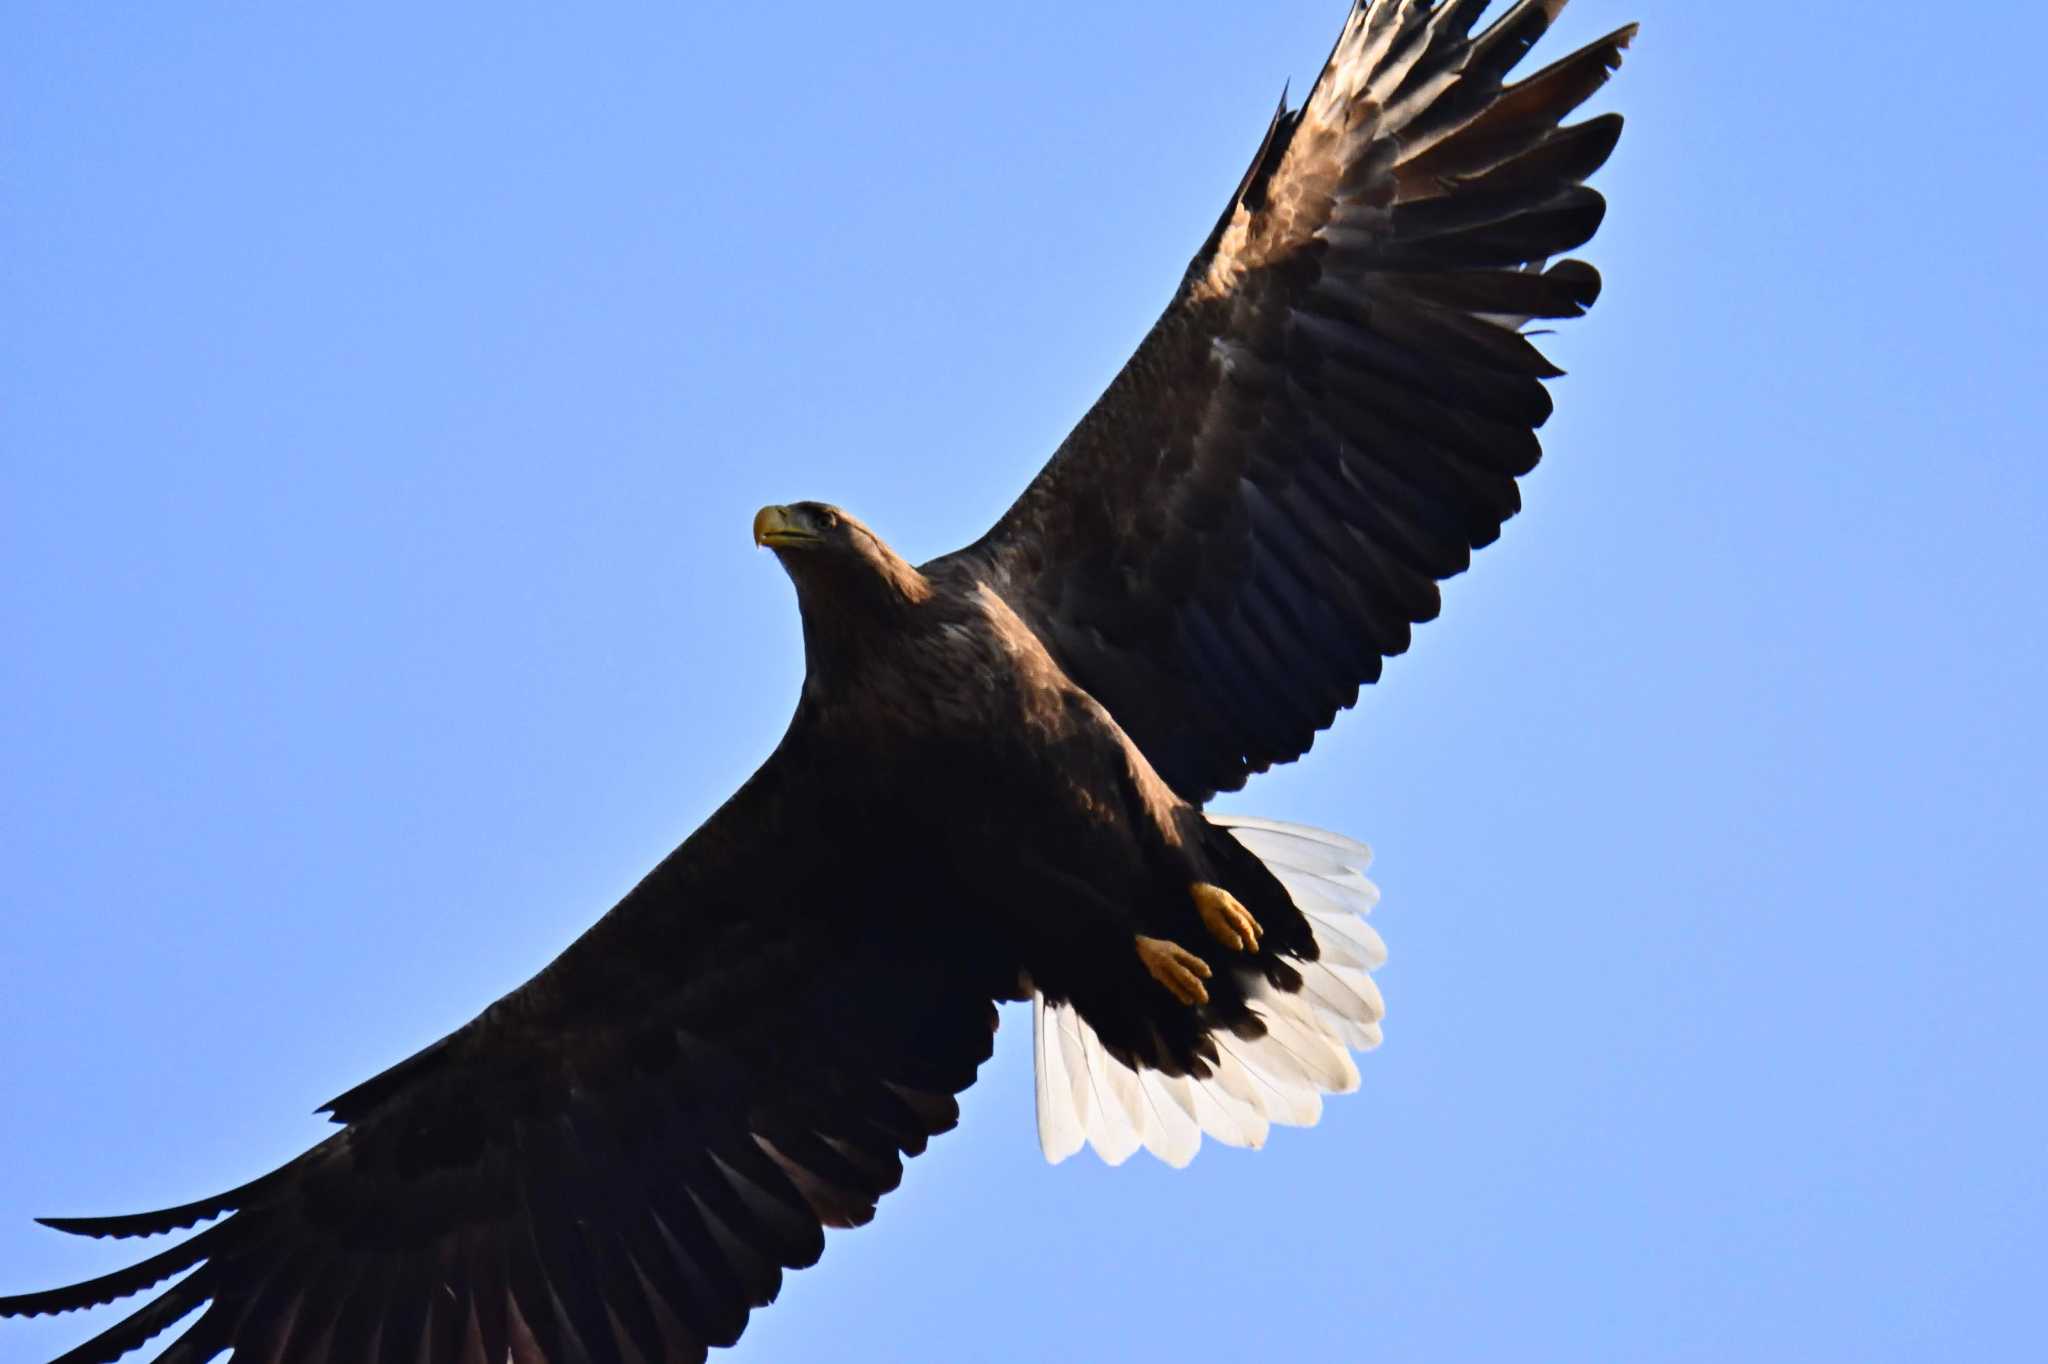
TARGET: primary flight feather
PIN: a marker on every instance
(992, 789)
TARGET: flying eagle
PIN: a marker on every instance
(992, 789)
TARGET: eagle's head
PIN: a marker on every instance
(845, 575)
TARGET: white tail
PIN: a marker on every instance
(1085, 1095)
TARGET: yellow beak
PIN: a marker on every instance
(775, 527)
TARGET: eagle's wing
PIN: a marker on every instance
(1333, 410)
(617, 1160)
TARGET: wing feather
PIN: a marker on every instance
(618, 1161)
(1332, 413)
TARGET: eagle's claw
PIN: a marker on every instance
(1179, 970)
(1228, 922)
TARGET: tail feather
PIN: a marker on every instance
(1087, 1097)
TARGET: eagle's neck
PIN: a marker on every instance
(853, 619)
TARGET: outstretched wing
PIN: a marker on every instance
(1332, 413)
(616, 1161)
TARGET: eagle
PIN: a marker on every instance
(993, 788)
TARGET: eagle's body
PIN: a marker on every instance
(993, 788)
(957, 743)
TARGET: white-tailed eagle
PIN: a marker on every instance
(993, 788)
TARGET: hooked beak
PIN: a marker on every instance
(776, 528)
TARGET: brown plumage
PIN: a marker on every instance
(992, 787)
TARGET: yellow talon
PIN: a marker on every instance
(1228, 922)
(1179, 970)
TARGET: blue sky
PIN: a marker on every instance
(383, 402)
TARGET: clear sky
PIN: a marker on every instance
(383, 402)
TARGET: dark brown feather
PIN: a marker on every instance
(579, 1172)
(1345, 340)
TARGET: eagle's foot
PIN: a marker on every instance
(1228, 922)
(1179, 970)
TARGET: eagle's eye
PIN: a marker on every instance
(828, 520)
